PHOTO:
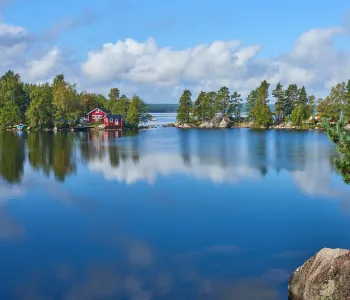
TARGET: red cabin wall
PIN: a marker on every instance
(94, 113)
(119, 123)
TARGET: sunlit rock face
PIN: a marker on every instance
(324, 276)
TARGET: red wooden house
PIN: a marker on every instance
(111, 120)
(95, 115)
(106, 118)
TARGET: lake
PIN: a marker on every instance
(165, 213)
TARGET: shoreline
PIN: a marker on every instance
(243, 125)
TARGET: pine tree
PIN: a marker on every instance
(291, 98)
(341, 138)
(209, 106)
(185, 108)
(261, 111)
(224, 101)
(250, 104)
(302, 96)
(300, 112)
(198, 109)
(235, 108)
(279, 95)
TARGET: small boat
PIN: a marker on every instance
(153, 119)
(20, 127)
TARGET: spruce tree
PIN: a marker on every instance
(261, 111)
(279, 95)
(302, 96)
(185, 108)
(291, 98)
(209, 106)
(224, 101)
(250, 104)
(235, 108)
(198, 109)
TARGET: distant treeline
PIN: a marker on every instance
(162, 108)
(172, 108)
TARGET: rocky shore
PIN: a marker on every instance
(225, 122)
(325, 276)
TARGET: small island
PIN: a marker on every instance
(294, 108)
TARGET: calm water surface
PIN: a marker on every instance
(165, 214)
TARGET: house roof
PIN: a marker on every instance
(98, 109)
(114, 116)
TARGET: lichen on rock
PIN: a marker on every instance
(325, 276)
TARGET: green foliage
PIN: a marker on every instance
(114, 94)
(299, 114)
(302, 97)
(13, 99)
(9, 113)
(333, 104)
(261, 111)
(291, 98)
(137, 113)
(341, 138)
(251, 102)
(311, 105)
(90, 101)
(235, 108)
(198, 109)
(185, 107)
(346, 108)
(40, 110)
(224, 101)
(279, 95)
(120, 106)
(66, 103)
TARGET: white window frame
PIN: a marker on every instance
(111, 120)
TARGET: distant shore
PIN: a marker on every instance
(243, 125)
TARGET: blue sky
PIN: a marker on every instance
(77, 27)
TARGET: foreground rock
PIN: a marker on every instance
(325, 276)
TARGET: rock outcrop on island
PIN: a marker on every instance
(325, 276)
(217, 122)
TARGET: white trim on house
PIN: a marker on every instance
(97, 109)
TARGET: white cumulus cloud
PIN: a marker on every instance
(41, 68)
(159, 74)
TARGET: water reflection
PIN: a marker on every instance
(165, 213)
(12, 157)
(218, 155)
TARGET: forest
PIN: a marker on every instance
(292, 104)
(60, 104)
